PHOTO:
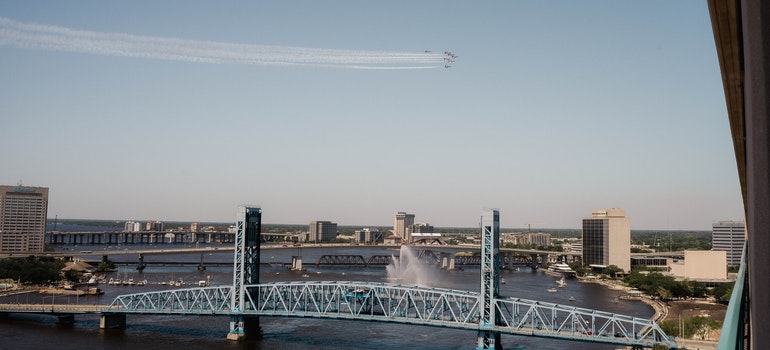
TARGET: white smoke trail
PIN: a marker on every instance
(62, 39)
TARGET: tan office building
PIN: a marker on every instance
(607, 239)
(23, 213)
(402, 225)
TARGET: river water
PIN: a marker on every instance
(208, 332)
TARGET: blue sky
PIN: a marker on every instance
(551, 110)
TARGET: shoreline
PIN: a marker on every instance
(661, 308)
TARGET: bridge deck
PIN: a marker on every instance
(53, 308)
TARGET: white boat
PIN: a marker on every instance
(562, 283)
(552, 290)
(572, 299)
(560, 270)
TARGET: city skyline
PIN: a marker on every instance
(550, 111)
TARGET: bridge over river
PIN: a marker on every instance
(486, 312)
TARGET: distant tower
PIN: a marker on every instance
(607, 239)
(729, 236)
(23, 214)
(402, 225)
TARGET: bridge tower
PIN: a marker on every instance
(245, 272)
(488, 338)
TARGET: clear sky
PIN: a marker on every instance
(551, 109)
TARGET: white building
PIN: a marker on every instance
(729, 236)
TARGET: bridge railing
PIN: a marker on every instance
(202, 300)
(368, 301)
(733, 334)
(527, 317)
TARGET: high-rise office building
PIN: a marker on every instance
(729, 236)
(421, 228)
(607, 239)
(402, 225)
(23, 213)
(322, 231)
(368, 235)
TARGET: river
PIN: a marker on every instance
(208, 332)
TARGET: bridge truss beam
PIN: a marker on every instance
(394, 303)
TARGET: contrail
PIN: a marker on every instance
(63, 39)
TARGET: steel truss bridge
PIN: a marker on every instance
(394, 303)
(486, 312)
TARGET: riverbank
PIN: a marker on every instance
(661, 308)
(676, 310)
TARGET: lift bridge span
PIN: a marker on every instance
(485, 311)
(394, 303)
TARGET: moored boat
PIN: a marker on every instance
(560, 270)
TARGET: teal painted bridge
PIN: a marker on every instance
(394, 303)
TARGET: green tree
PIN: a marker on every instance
(723, 292)
(31, 269)
(612, 270)
(700, 326)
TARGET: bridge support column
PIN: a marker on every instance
(112, 321)
(296, 263)
(245, 272)
(201, 267)
(485, 342)
(141, 265)
(488, 338)
(244, 328)
(534, 261)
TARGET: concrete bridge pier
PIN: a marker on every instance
(543, 260)
(112, 321)
(448, 261)
(244, 328)
(296, 263)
